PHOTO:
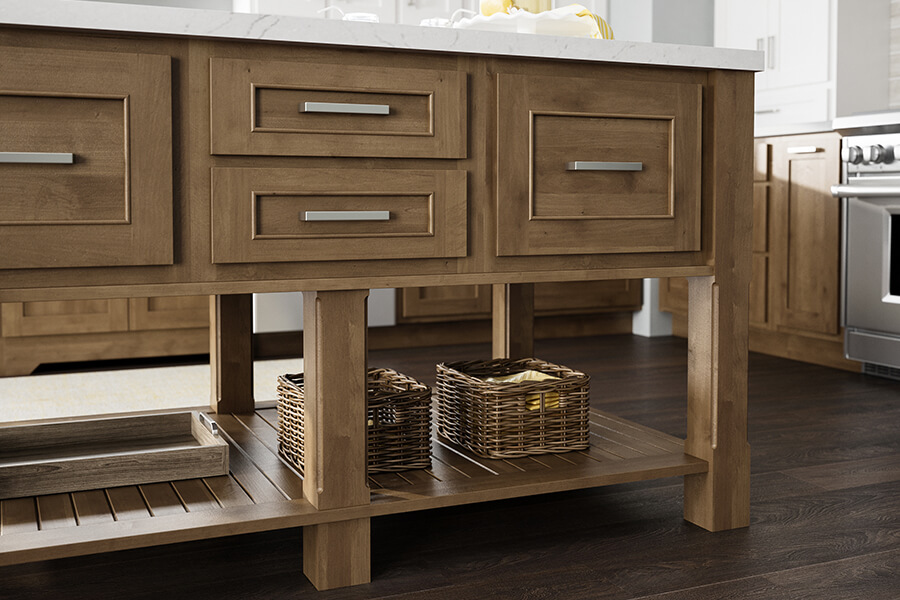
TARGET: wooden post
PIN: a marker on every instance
(334, 356)
(718, 319)
(230, 353)
(513, 320)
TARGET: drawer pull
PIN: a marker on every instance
(804, 150)
(345, 108)
(38, 158)
(582, 165)
(346, 215)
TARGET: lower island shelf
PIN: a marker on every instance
(262, 492)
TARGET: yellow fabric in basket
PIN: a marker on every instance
(532, 401)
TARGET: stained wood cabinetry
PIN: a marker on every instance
(795, 277)
(472, 187)
(32, 333)
(87, 167)
(453, 303)
(557, 151)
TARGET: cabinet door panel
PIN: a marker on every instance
(449, 303)
(759, 281)
(445, 303)
(24, 319)
(673, 295)
(760, 218)
(170, 312)
(805, 240)
(742, 24)
(582, 297)
(800, 46)
(584, 169)
(108, 115)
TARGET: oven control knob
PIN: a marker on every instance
(875, 153)
(852, 155)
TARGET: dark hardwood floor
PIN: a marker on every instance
(825, 509)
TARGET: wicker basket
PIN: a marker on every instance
(493, 420)
(399, 421)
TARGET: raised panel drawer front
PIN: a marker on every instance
(592, 166)
(287, 215)
(271, 108)
(85, 159)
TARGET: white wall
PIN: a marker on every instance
(683, 22)
(631, 20)
(284, 311)
(667, 21)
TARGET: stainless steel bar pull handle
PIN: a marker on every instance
(861, 191)
(586, 165)
(208, 423)
(345, 108)
(804, 150)
(346, 215)
(767, 111)
(38, 158)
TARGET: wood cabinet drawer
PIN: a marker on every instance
(299, 109)
(584, 168)
(107, 117)
(286, 215)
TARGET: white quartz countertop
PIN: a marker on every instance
(133, 18)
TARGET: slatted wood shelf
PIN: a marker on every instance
(262, 492)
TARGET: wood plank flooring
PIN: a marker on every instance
(825, 509)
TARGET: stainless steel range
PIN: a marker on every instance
(870, 189)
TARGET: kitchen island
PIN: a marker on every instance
(167, 152)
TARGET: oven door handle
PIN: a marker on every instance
(860, 191)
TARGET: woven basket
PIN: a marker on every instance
(399, 421)
(493, 419)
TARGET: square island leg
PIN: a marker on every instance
(334, 365)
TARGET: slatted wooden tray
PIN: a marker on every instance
(89, 454)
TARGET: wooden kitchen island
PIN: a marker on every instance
(166, 152)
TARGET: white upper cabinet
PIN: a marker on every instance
(797, 45)
(742, 25)
(824, 58)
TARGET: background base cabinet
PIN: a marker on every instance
(795, 277)
(34, 333)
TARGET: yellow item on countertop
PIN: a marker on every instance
(532, 401)
(489, 7)
(600, 28)
(597, 27)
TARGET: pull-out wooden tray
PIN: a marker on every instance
(49, 458)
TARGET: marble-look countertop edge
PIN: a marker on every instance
(144, 19)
